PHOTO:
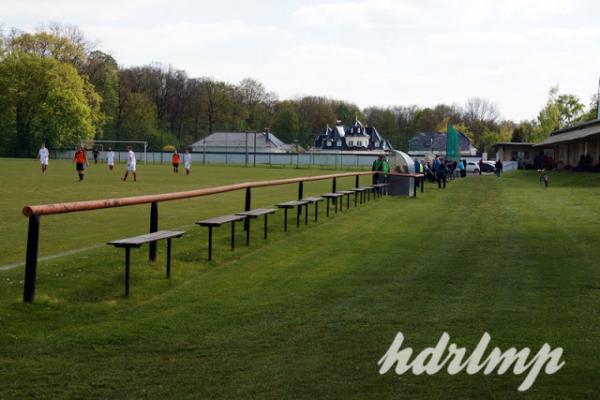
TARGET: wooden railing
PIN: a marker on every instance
(36, 211)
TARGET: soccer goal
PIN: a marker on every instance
(138, 146)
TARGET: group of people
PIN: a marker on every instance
(81, 161)
(187, 161)
(441, 171)
(382, 166)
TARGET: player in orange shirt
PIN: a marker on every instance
(175, 160)
(81, 160)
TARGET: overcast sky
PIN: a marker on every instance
(371, 52)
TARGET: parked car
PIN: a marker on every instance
(488, 166)
(472, 167)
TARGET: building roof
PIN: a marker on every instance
(574, 132)
(241, 140)
(517, 144)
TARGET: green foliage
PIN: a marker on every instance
(48, 45)
(43, 100)
(488, 139)
(182, 109)
(102, 72)
(286, 122)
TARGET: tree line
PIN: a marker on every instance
(55, 86)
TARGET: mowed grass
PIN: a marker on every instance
(307, 314)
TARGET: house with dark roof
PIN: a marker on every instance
(572, 145)
(356, 137)
(242, 142)
(435, 143)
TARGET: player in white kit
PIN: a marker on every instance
(187, 161)
(43, 155)
(110, 159)
(131, 164)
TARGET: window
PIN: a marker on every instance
(350, 143)
(339, 143)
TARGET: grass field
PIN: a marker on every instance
(306, 314)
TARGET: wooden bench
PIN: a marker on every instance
(218, 221)
(291, 204)
(137, 241)
(381, 189)
(370, 189)
(314, 200)
(257, 212)
(347, 193)
(333, 197)
(360, 191)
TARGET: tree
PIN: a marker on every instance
(570, 109)
(48, 45)
(548, 117)
(102, 71)
(42, 99)
(217, 103)
(286, 123)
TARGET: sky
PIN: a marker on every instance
(369, 52)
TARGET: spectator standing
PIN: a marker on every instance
(499, 167)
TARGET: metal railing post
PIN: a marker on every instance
(153, 228)
(33, 235)
(300, 190)
(247, 207)
(334, 186)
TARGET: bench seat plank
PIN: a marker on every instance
(292, 203)
(313, 199)
(137, 241)
(332, 195)
(218, 221)
(257, 212)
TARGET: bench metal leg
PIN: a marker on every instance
(232, 235)
(210, 228)
(335, 203)
(248, 232)
(127, 259)
(306, 214)
(316, 211)
(298, 216)
(328, 206)
(168, 258)
(285, 219)
(355, 197)
(348, 201)
(266, 215)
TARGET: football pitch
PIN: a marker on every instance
(307, 313)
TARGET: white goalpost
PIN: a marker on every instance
(90, 144)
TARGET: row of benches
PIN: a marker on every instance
(361, 194)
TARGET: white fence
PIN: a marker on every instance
(321, 159)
